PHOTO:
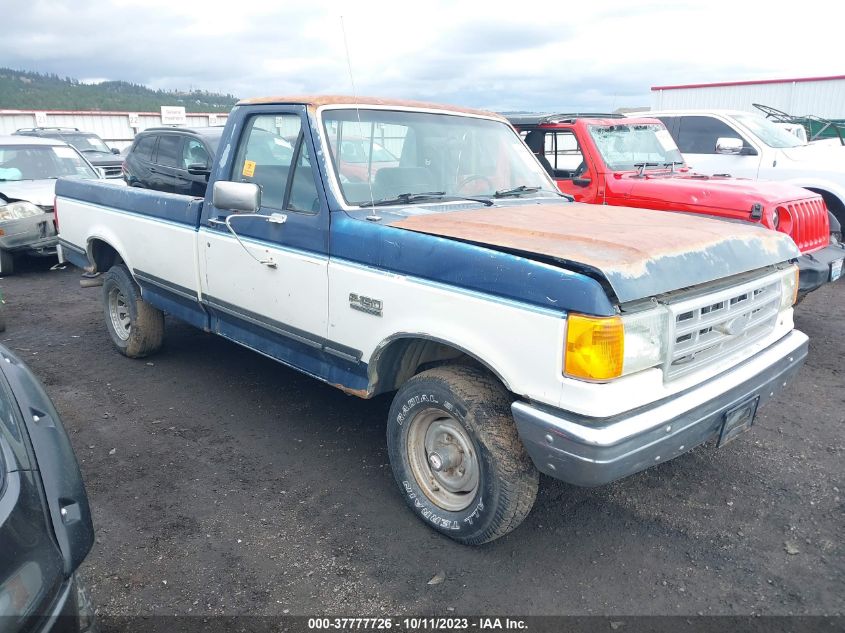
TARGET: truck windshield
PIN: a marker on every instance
(390, 155)
(768, 132)
(625, 146)
(42, 163)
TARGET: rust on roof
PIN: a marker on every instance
(315, 101)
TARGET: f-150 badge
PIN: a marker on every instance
(365, 304)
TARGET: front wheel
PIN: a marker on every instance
(456, 455)
(136, 328)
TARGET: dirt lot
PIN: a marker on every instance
(221, 482)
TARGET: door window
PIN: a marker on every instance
(303, 192)
(144, 148)
(564, 154)
(194, 153)
(169, 150)
(265, 154)
(698, 134)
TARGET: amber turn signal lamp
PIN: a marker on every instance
(595, 347)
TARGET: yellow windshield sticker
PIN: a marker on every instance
(249, 168)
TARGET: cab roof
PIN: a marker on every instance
(316, 101)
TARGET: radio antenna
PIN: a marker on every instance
(372, 217)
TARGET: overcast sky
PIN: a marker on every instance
(520, 55)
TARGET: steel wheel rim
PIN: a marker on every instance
(119, 313)
(443, 460)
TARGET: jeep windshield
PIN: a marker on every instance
(434, 156)
(768, 132)
(629, 146)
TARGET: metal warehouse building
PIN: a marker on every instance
(115, 128)
(821, 96)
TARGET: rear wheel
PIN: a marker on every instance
(136, 328)
(456, 455)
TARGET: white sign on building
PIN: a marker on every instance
(40, 119)
(134, 120)
(212, 120)
(173, 115)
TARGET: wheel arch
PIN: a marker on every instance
(402, 356)
(835, 202)
(102, 254)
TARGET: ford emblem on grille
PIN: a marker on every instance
(734, 326)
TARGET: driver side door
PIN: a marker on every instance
(265, 281)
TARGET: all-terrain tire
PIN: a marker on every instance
(474, 408)
(136, 328)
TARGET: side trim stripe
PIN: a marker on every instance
(282, 329)
(186, 293)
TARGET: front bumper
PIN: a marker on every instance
(595, 451)
(35, 234)
(814, 268)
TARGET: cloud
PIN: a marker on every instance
(530, 56)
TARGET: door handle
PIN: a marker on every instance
(277, 218)
(215, 222)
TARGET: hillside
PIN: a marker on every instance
(22, 90)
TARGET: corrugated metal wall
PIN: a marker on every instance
(112, 127)
(821, 98)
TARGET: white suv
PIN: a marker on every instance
(747, 145)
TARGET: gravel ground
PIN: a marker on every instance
(223, 483)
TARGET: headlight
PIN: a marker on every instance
(602, 348)
(789, 287)
(18, 210)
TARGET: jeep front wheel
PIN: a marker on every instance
(456, 455)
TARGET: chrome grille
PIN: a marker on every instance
(707, 328)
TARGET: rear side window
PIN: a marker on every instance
(698, 134)
(145, 146)
(169, 151)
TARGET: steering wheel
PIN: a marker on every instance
(473, 178)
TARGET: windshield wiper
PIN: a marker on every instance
(411, 198)
(641, 166)
(516, 191)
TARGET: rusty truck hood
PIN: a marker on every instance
(639, 252)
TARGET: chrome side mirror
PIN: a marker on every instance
(236, 196)
(729, 146)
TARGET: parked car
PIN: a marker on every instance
(633, 162)
(29, 168)
(45, 522)
(92, 146)
(176, 160)
(520, 332)
(746, 145)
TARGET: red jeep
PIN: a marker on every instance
(633, 162)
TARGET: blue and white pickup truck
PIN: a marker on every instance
(390, 246)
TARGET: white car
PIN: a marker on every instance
(29, 168)
(747, 145)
